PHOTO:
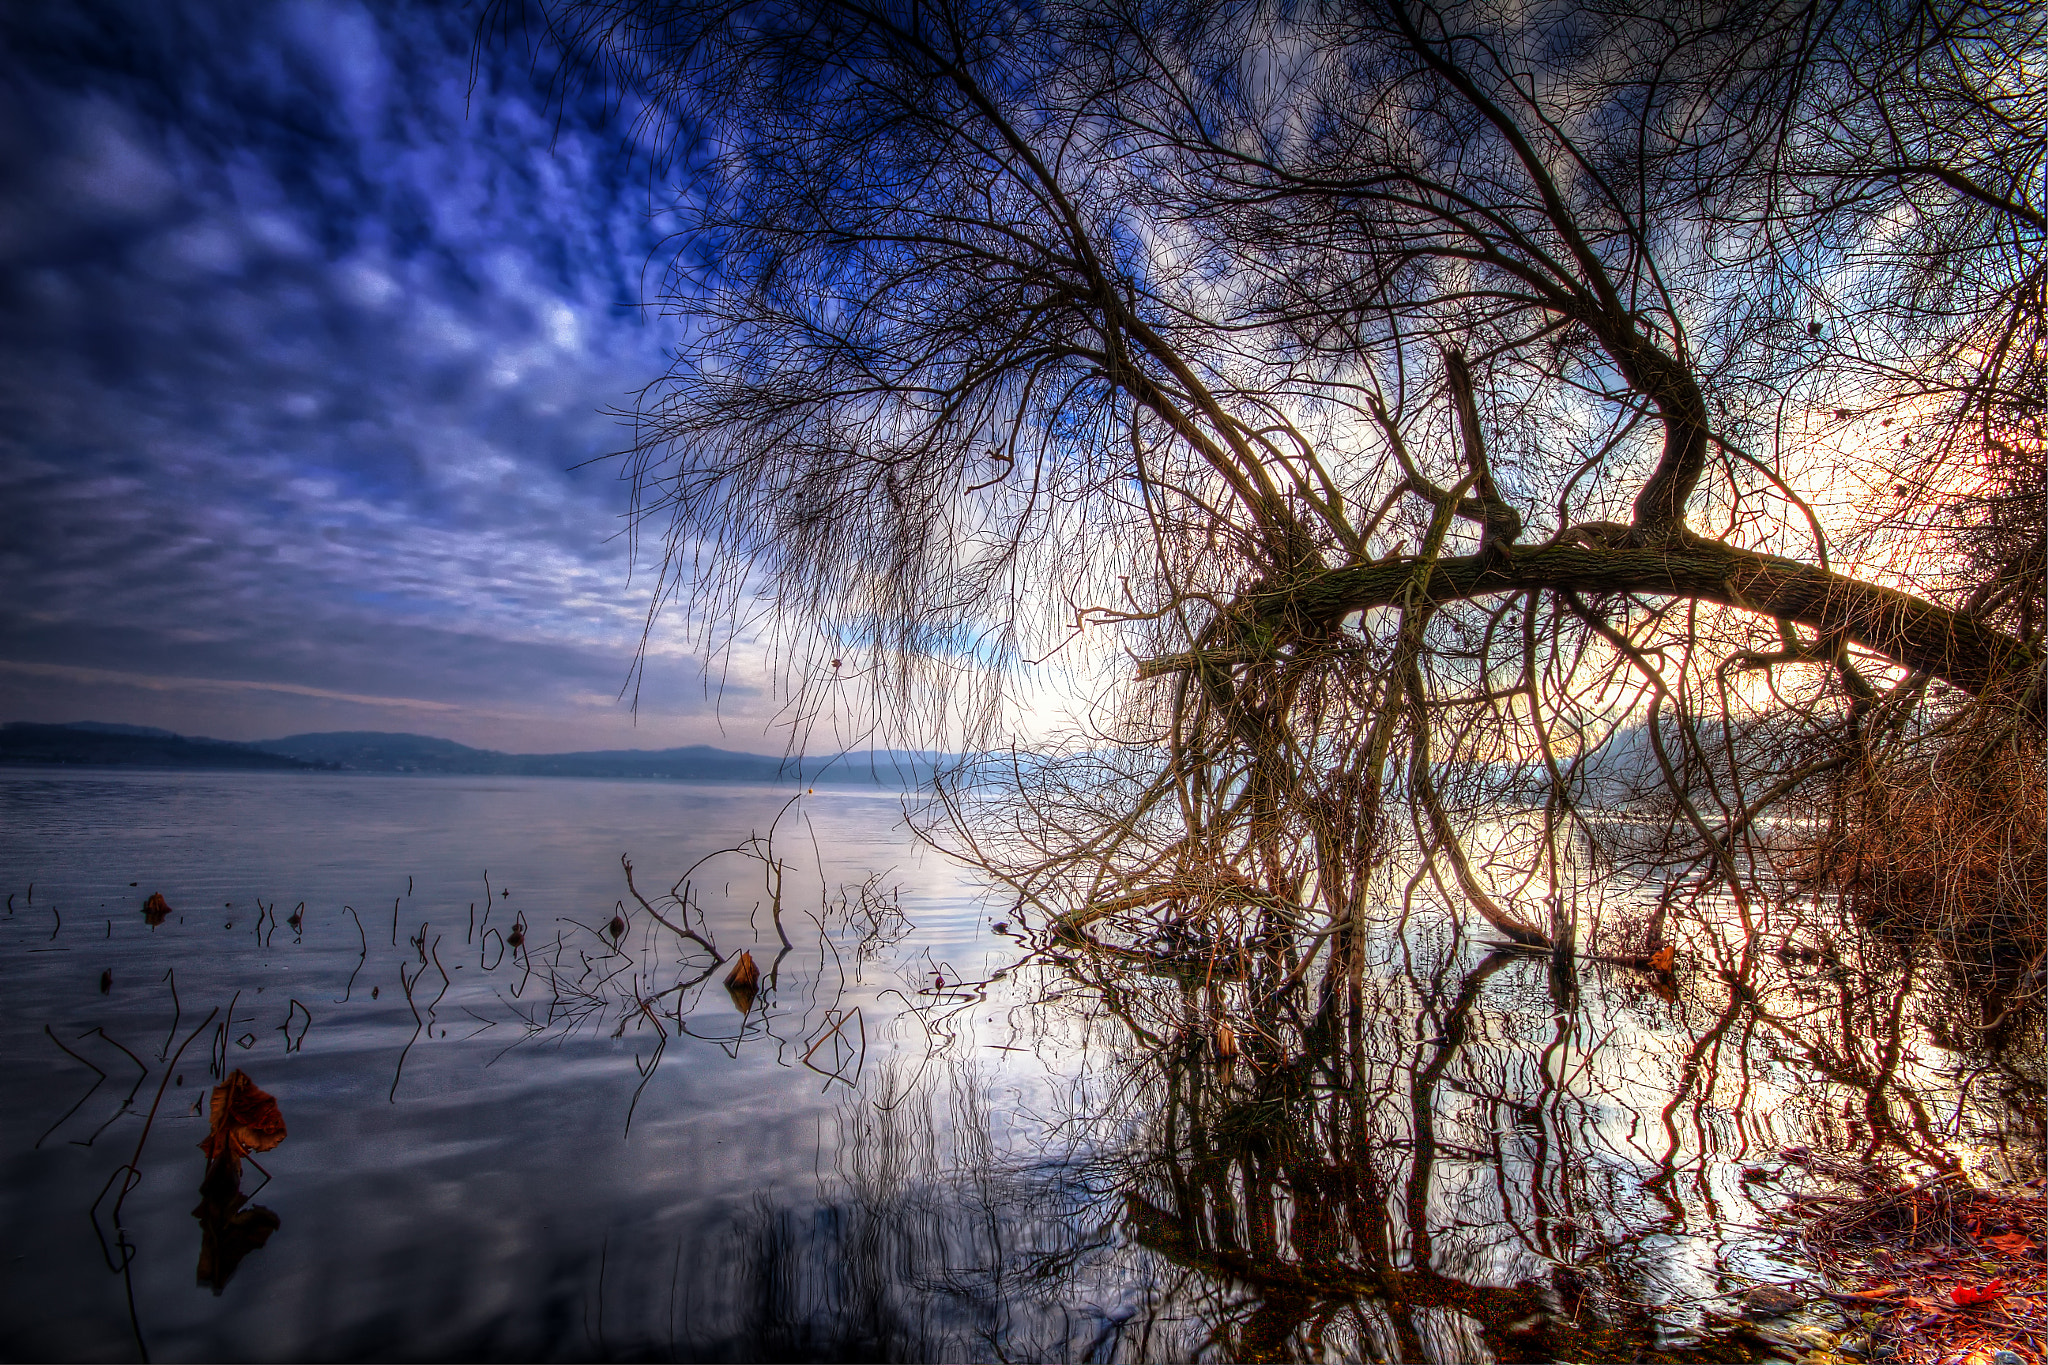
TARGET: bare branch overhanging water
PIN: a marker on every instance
(1449, 407)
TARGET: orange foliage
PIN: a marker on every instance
(245, 1119)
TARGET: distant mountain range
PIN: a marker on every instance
(99, 743)
(134, 746)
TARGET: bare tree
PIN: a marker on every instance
(1434, 398)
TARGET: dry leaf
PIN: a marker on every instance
(743, 982)
(1769, 1301)
(245, 1119)
(1972, 1293)
(2011, 1243)
(744, 974)
(1663, 958)
(156, 909)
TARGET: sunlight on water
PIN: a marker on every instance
(528, 1118)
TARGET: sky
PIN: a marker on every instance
(313, 317)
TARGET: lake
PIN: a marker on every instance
(528, 1120)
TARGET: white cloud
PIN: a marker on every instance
(107, 172)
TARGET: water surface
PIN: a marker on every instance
(928, 1134)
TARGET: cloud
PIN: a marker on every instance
(155, 683)
(308, 344)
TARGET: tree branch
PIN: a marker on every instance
(1909, 631)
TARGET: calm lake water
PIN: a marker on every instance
(926, 1135)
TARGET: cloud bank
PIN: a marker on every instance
(310, 322)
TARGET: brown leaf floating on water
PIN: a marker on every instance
(156, 909)
(1769, 1301)
(245, 1119)
(742, 982)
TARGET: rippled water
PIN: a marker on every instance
(924, 1136)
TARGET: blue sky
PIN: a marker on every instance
(305, 331)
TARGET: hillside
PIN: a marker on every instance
(103, 744)
(94, 745)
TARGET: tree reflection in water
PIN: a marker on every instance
(1481, 1157)
(1432, 1199)
(1416, 1147)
